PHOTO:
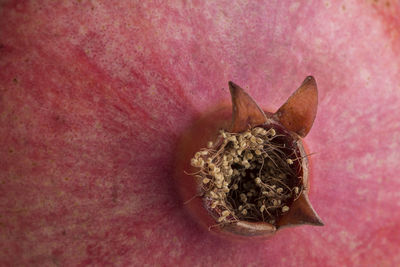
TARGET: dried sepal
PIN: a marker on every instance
(301, 212)
(299, 111)
(246, 112)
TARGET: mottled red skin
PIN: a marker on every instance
(93, 97)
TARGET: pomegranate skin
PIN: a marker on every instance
(95, 94)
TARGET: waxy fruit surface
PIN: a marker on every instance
(94, 96)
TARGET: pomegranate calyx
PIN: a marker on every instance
(299, 111)
(253, 179)
(246, 112)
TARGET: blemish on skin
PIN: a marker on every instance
(343, 7)
(147, 233)
(87, 52)
(152, 89)
(98, 125)
(350, 166)
(365, 75)
(364, 176)
(362, 192)
(82, 30)
(139, 48)
(348, 239)
(15, 80)
(294, 6)
(328, 4)
(318, 43)
(368, 160)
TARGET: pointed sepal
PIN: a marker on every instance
(299, 111)
(301, 212)
(246, 113)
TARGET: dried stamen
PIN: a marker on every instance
(252, 176)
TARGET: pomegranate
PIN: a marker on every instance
(94, 96)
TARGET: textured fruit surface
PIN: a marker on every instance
(95, 94)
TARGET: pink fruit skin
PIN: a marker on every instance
(94, 96)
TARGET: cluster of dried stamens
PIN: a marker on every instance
(248, 176)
